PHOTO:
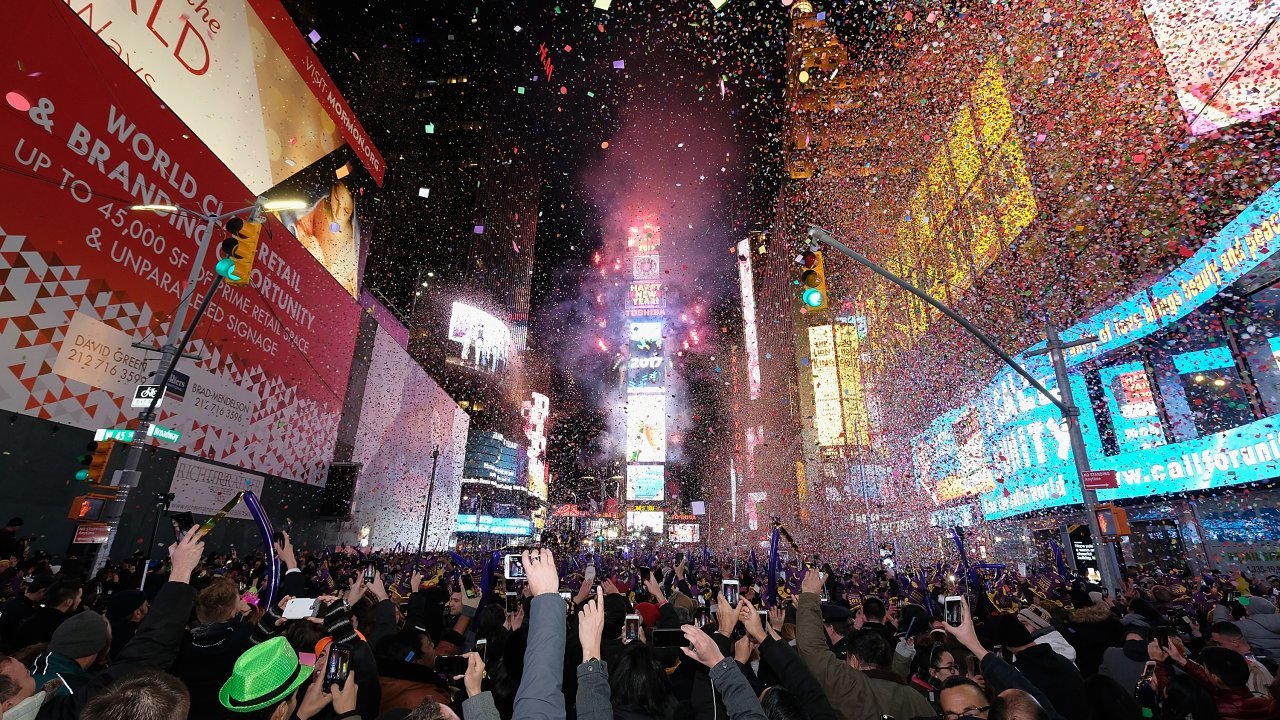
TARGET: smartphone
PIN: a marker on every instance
(513, 568)
(182, 522)
(729, 589)
(953, 610)
(338, 666)
(1149, 670)
(567, 596)
(644, 573)
(277, 537)
(1162, 636)
(764, 619)
(513, 602)
(668, 637)
(468, 585)
(482, 649)
(299, 608)
(369, 573)
(631, 631)
(451, 665)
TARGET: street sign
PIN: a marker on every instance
(144, 394)
(177, 385)
(101, 434)
(1099, 480)
(92, 534)
(163, 433)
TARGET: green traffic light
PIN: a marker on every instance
(812, 297)
(226, 267)
(82, 475)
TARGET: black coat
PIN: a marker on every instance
(205, 662)
(1058, 678)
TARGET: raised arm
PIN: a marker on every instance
(540, 696)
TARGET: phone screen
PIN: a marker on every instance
(514, 568)
(338, 665)
(644, 573)
(513, 602)
(632, 631)
(468, 586)
(669, 637)
(953, 612)
(729, 588)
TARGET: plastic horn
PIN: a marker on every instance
(268, 593)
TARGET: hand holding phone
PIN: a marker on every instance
(338, 665)
(299, 608)
(953, 612)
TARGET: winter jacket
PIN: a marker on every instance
(1237, 704)
(848, 690)
(481, 707)
(894, 697)
(1093, 629)
(1261, 627)
(205, 662)
(53, 666)
(1057, 678)
(12, 614)
(1001, 676)
(1054, 639)
(539, 695)
(731, 684)
(1124, 664)
(794, 676)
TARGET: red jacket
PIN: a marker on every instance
(1233, 704)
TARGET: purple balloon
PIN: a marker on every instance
(264, 529)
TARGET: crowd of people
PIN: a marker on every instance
(556, 634)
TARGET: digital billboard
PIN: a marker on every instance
(277, 109)
(646, 366)
(404, 415)
(1019, 437)
(646, 267)
(646, 428)
(684, 533)
(85, 278)
(828, 417)
(646, 483)
(485, 342)
(644, 298)
(746, 289)
(1219, 76)
(639, 520)
(535, 412)
(490, 456)
(494, 525)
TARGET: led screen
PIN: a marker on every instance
(684, 533)
(493, 525)
(828, 415)
(645, 519)
(645, 483)
(1203, 41)
(647, 428)
(484, 341)
(646, 366)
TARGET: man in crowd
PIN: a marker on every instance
(18, 610)
(61, 601)
(1227, 635)
(125, 611)
(76, 646)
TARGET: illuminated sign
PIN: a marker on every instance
(638, 520)
(749, 338)
(647, 428)
(649, 330)
(645, 267)
(494, 525)
(644, 295)
(853, 401)
(646, 366)
(828, 419)
(1022, 439)
(645, 237)
(1202, 41)
(491, 456)
(684, 533)
(485, 341)
(646, 483)
(535, 412)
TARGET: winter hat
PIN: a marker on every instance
(1033, 616)
(81, 635)
(263, 676)
(648, 613)
(124, 602)
(1009, 632)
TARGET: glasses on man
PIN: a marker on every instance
(973, 711)
(946, 669)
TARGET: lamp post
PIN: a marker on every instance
(426, 512)
(171, 351)
(1064, 401)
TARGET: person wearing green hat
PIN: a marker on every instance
(265, 680)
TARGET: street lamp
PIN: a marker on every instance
(173, 346)
(1064, 401)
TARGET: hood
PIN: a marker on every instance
(27, 709)
(1092, 614)
(210, 634)
(1260, 606)
(1135, 650)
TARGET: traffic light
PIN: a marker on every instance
(813, 280)
(87, 508)
(238, 251)
(95, 461)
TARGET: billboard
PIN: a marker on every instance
(828, 419)
(490, 456)
(1219, 76)
(646, 267)
(494, 525)
(646, 428)
(640, 520)
(329, 228)
(646, 366)
(485, 342)
(646, 483)
(239, 74)
(750, 341)
(643, 297)
(684, 533)
(535, 412)
(1017, 436)
(85, 278)
(404, 415)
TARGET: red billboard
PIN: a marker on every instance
(83, 279)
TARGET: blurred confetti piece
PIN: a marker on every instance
(424, 192)
(479, 230)
(314, 36)
(343, 171)
(602, 4)
(717, 4)
(18, 101)
(619, 64)
(430, 128)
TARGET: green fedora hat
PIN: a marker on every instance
(264, 675)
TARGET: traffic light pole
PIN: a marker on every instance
(1065, 404)
(128, 477)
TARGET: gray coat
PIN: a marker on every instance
(739, 699)
(1261, 627)
(541, 692)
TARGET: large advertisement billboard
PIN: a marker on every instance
(647, 428)
(239, 74)
(484, 341)
(85, 278)
(404, 416)
(828, 416)
(646, 483)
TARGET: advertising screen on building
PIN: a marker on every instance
(403, 416)
(484, 341)
(535, 412)
(490, 456)
(1218, 75)
(647, 428)
(494, 525)
(684, 533)
(88, 278)
(646, 267)
(644, 295)
(329, 227)
(750, 341)
(646, 483)
(646, 366)
(828, 415)
(277, 109)
(639, 520)
(1020, 438)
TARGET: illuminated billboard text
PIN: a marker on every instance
(828, 419)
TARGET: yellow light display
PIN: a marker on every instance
(974, 200)
(828, 420)
(853, 402)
